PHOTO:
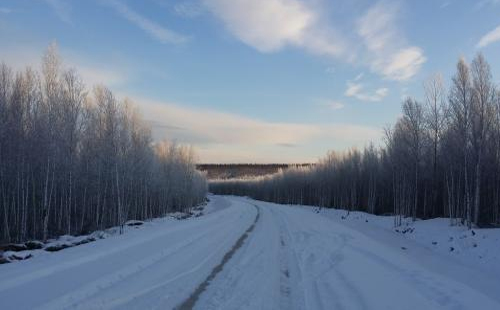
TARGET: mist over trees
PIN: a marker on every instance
(74, 160)
(441, 159)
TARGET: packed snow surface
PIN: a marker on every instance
(292, 258)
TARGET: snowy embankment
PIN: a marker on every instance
(478, 247)
(22, 251)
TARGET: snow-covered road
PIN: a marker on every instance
(292, 258)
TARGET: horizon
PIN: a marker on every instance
(281, 81)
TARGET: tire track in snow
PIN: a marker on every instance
(319, 254)
(291, 296)
(67, 265)
(153, 292)
(285, 275)
(73, 298)
(190, 302)
(425, 284)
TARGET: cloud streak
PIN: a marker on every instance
(389, 54)
(356, 90)
(227, 137)
(271, 25)
(158, 32)
(188, 9)
(489, 38)
(335, 105)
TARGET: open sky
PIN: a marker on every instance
(258, 80)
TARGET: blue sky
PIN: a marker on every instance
(258, 80)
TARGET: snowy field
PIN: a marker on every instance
(291, 258)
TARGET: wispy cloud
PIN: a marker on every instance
(489, 38)
(227, 137)
(483, 3)
(270, 25)
(356, 90)
(400, 65)
(445, 4)
(62, 10)
(208, 126)
(4, 10)
(335, 105)
(330, 104)
(188, 9)
(389, 54)
(160, 33)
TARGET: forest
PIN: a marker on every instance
(231, 171)
(440, 159)
(75, 160)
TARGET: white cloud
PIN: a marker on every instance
(62, 10)
(356, 90)
(388, 52)
(5, 10)
(377, 26)
(353, 89)
(270, 25)
(226, 137)
(207, 126)
(489, 38)
(401, 65)
(335, 105)
(162, 34)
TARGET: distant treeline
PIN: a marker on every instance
(231, 171)
(74, 160)
(441, 158)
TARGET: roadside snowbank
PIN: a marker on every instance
(478, 248)
(17, 252)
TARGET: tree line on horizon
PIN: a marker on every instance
(73, 161)
(243, 170)
(440, 159)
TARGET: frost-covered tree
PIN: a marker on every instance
(441, 158)
(74, 160)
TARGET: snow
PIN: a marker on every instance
(479, 248)
(294, 258)
(36, 248)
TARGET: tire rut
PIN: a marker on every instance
(292, 296)
(190, 302)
